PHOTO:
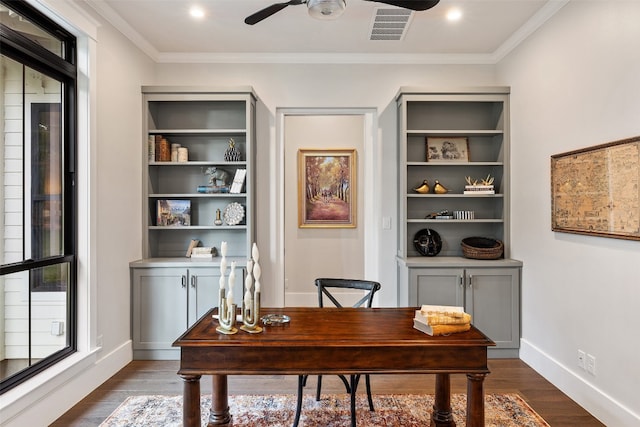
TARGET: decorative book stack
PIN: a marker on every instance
(479, 189)
(203, 252)
(441, 320)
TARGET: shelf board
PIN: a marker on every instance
(447, 164)
(463, 132)
(199, 163)
(197, 131)
(196, 195)
(454, 195)
(198, 227)
(452, 221)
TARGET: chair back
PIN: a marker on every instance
(326, 286)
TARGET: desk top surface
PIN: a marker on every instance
(331, 327)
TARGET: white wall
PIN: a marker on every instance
(575, 84)
(333, 87)
(321, 252)
(109, 191)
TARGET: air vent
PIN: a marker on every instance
(390, 24)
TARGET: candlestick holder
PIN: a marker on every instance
(251, 312)
(226, 307)
(251, 315)
(226, 317)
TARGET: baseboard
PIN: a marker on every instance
(44, 402)
(595, 401)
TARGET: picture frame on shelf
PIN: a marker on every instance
(327, 188)
(447, 149)
(173, 213)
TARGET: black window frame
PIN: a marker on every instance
(63, 68)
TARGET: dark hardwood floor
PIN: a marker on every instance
(159, 377)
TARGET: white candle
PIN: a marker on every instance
(257, 271)
(223, 249)
(254, 252)
(232, 281)
(248, 303)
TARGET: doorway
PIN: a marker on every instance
(308, 253)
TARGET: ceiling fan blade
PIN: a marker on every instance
(410, 4)
(270, 10)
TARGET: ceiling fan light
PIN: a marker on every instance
(326, 9)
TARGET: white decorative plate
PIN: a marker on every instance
(233, 213)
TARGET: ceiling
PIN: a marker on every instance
(163, 29)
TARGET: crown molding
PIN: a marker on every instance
(492, 58)
(127, 30)
(537, 20)
(323, 58)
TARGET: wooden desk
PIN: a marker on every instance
(332, 341)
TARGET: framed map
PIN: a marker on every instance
(596, 190)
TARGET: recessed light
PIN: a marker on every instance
(454, 14)
(196, 12)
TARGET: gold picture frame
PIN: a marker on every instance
(450, 149)
(596, 190)
(327, 188)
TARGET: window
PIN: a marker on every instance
(38, 210)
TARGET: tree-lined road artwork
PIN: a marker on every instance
(327, 189)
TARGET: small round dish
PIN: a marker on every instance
(275, 319)
(233, 213)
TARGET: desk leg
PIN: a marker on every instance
(475, 400)
(191, 404)
(442, 416)
(219, 402)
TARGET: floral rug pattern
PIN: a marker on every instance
(501, 410)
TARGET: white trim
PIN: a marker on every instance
(371, 158)
(123, 26)
(324, 58)
(532, 25)
(599, 404)
(32, 403)
(76, 20)
(490, 58)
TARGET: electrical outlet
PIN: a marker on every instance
(582, 359)
(591, 364)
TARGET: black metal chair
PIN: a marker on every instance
(325, 286)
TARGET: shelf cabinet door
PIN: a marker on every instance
(492, 298)
(436, 286)
(490, 295)
(204, 286)
(159, 299)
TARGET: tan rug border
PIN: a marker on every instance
(515, 396)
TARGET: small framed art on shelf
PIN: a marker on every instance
(447, 149)
(173, 213)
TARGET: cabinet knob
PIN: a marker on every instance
(184, 281)
(470, 280)
(194, 281)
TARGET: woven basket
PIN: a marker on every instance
(482, 248)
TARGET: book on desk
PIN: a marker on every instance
(441, 320)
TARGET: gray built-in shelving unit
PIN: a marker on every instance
(170, 291)
(488, 289)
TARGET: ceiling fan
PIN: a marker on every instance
(331, 9)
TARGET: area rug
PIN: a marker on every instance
(501, 410)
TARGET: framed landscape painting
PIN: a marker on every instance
(327, 188)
